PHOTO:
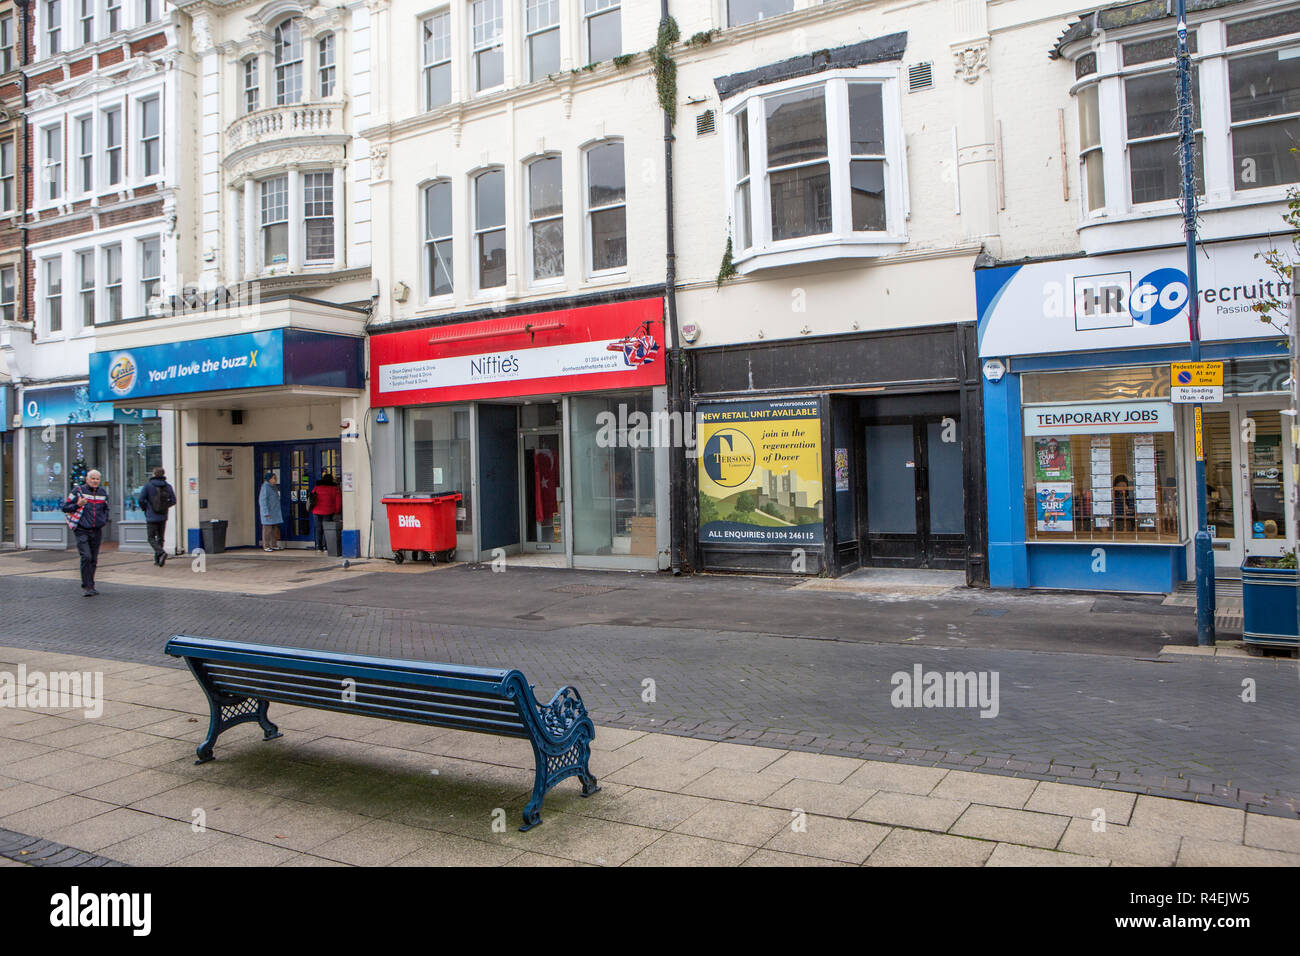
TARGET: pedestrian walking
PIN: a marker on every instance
(326, 502)
(155, 499)
(86, 508)
(268, 503)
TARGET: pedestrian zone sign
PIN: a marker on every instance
(1195, 382)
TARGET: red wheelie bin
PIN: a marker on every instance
(422, 523)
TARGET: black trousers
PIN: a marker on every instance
(88, 547)
(156, 531)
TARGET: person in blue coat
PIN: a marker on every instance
(268, 505)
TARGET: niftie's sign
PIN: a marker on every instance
(620, 345)
(1099, 418)
(1124, 301)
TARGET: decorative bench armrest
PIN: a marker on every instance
(564, 711)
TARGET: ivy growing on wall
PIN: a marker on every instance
(728, 268)
(665, 67)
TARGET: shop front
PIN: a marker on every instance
(284, 400)
(67, 434)
(552, 426)
(8, 481)
(1091, 464)
(828, 455)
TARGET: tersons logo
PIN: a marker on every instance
(729, 458)
(408, 521)
(122, 373)
(74, 908)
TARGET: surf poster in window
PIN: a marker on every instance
(1052, 459)
(1055, 505)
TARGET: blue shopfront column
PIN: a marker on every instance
(1004, 470)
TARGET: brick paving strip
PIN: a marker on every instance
(342, 790)
(33, 851)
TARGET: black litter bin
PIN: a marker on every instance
(214, 535)
(333, 538)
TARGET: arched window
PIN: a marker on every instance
(606, 207)
(287, 54)
(545, 219)
(437, 239)
(490, 228)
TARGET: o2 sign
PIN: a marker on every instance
(1159, 297)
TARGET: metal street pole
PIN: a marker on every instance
(1204, 543)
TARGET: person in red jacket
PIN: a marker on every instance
(327, 505)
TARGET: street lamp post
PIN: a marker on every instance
(1204, 543)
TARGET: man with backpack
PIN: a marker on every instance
(156, 497)
(86, 509)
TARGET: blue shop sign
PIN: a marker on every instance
(250, 360)
(4, 407)
(73, 405)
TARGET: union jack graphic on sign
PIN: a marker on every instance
(638, 349)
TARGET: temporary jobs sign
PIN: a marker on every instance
(1132, 300)
(1099, 418)
(620, 345)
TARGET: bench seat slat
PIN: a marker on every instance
(331, 687)
(410, 718)
(285, 692)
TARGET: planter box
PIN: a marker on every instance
(1269, 598)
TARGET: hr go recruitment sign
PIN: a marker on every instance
(760, 472)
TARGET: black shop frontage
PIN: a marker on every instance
(829, 455)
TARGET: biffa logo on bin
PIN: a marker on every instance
(1159, 297)
(408, 521)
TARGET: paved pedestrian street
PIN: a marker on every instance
(740, 721)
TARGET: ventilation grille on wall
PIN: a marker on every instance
(920, 76)
(705, 123)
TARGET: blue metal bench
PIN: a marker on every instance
(241, 680)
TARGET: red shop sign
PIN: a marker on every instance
(620, 345)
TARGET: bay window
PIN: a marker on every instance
(325, 66)
(602, 29)
(490, 228)
(275, 221)
(436, 59)
(542, 26)
(150, 270)
(606, 208)
(113, 283)
(286, 53)
(486, 25)
(546, 219)
(1245, 99)
(318, 216)
(816, 168)
(86, 287)
(437, 239)
(150, 138)
(112, 146)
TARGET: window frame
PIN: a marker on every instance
(726, 14)
(842, 241)
(250, 93)
(1214, 136)
(284, 69)
(144, 140)
(427, 66)
(86, 20)
(87, 177)
(8, 44)
(477, 50)
(146, 281)
(326, 43)
(263, 223)
(86, 294)
(588, 210)
(8, 176)
(51, 269)
(429, 242)
(8, 293)
(112, 16)
(480, 231)
(52, 27)
(529, 35)
(303, 183)
(51, 168)
(112, 290)
(112, 150)
(534, 221)
(588, 14)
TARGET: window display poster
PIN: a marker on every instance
(760, 480)
(1055, 505)
(1051, 458)
(841, 469)
(225, 463)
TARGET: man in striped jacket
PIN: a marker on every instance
(87, 511)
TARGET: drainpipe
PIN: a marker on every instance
(676, 403)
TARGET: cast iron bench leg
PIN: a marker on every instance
(551, 769)
(225, 711)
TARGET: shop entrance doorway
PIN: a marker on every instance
(298, 466)
(95, 448)
(541, 473)
(1247, 482)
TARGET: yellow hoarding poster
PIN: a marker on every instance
(760, 472)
